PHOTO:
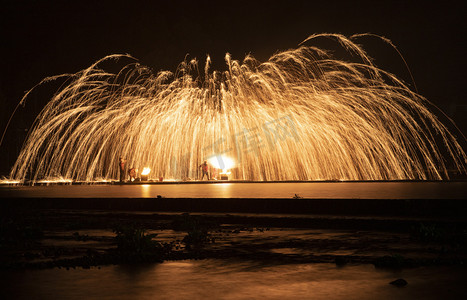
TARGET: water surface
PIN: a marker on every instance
(220, 279)
(323, 190)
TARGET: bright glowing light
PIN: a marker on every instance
(55, 180)
(301, 115)
(170, 179)
(146, 171)
(100, 179)
(9, 181)
(145, 190)
(222, 162)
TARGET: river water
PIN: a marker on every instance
(322, 190)
(221, 279)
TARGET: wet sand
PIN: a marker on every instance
(44, 238)
(347, 248)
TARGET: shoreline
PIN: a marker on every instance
(373, 207)
(50, 238)
(42, 233)
(157, 182)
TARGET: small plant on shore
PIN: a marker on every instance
(197, 230)
(197, 238)
(80, 237)
(428, 232)
(134, 240)
(450, 234)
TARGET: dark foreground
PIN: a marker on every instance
(56, 232)
(430, 208)
(242, 237)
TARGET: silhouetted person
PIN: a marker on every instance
(132, 173)
(121, 165)
(205, 169)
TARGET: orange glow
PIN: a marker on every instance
(301, 115)
(222, 162)
(146, 171)
(9, 181)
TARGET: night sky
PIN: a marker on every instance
(44, 38)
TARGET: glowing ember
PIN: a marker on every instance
(146, 171)
(9, 181)
(302, 115)
(222, 162)
(52, 180)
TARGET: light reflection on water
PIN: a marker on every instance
(324, 190)
(218, 279)
(145, 191)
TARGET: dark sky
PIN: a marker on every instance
(44, 38)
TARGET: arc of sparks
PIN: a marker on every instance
(301, 115)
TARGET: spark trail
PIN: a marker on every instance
(301, 115)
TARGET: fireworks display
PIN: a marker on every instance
(301, 115)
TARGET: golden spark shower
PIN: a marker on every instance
(301, 115)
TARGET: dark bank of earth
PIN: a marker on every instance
(69, 238)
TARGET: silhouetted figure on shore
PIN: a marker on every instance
(121, 165)
(132, 173)
(205, 169)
